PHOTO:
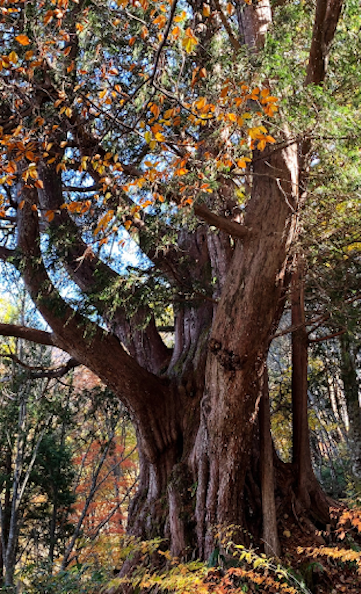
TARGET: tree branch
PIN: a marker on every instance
(234, 41)
(94, 277)
(230, 227)
(326, 18)
(6, 254)
(328, 336)
(30, 334)
(37, 372)
(85, 341)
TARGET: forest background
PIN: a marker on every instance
(180, 200)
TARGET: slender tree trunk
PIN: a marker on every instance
(351, 390)
(310, 497)
(270, 534)
(301, 447)
(52, 531)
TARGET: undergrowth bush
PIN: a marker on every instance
(232, 568)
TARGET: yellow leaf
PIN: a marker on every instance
(189, 41)
(241, 164)
(160, 21)
(23, 39)
(103, 221)
(33, 172)
(287, 533)
(206, 10)
(201, 103)
(176, 32)
(232, 117)
(21, 205)
(13, 57)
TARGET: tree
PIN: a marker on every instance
(104, 450)
(36, 471)
(123, 119)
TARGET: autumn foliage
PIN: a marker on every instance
(68, 92)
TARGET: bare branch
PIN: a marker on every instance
(234, 41)
(230, 227)
(328, 336)
(37, 372)
(30, 334)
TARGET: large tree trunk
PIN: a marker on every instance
(239, 344)
(218, 405)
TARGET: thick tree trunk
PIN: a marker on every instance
(239, 343)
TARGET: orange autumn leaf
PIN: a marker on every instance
(49, 215)
(23, 39)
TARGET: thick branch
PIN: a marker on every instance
(230, 227)
(5, 253)
(234, 41)
(31, 334)
(324, 28)
(94, 277)
(84, 340)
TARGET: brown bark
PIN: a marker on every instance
(351, 390)
(239, 343)
(309, 496)
(324, 28)
(270, 534)
(301, 447)
(139, 334)
(26, 333)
